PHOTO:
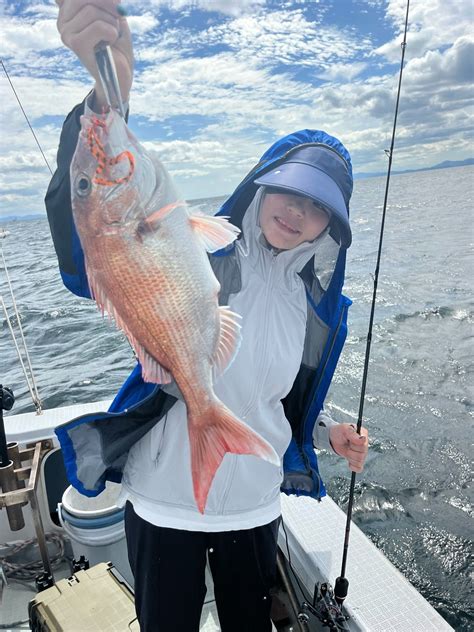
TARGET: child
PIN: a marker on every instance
(284, 277)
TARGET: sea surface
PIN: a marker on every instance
(414, 498)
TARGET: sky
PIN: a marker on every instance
(217, 82)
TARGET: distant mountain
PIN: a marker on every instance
(446, 164)
(453, 163)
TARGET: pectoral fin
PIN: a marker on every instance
(153, 221)
(215, 232)
(229, 339)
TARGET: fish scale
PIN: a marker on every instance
(148, 268)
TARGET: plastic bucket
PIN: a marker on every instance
(96, 527)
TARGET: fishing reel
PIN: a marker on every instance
(324, 608)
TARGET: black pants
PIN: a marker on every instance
(169, 564)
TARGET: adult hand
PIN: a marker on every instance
(83, 24)
(352, 446)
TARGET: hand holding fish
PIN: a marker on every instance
(352, 446)
(83, 24)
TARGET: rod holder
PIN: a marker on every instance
(13, 497)
(14, 455)
(9, 483)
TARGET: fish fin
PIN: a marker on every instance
(153, 220)
(152, 370)
(229, 339)
(211, 437)
(216, 232)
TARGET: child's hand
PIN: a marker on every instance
(352, 446)
(83, 24)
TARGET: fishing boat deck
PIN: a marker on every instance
(380, 598)
(15, 598)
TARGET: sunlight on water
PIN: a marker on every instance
(413, 499)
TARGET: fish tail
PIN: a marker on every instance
(213, 434)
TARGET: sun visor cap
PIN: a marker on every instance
(322, 175)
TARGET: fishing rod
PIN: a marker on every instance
(342, 584)
(326, 605)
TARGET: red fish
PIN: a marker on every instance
(147, 266)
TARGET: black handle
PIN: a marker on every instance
(7, 399)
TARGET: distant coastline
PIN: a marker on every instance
(446, 164)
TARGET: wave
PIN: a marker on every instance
(438, 312)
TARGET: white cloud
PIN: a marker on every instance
(232, 7)
(432, 25)
(257, 72)
(21, 36)
(450, 67)
(141, 24)
(43, 10)
(286, 37)
(343, 72)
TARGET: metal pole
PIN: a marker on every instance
(4, 460)
(40, 535)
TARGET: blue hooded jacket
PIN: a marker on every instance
(138, 405)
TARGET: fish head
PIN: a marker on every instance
(104, 193)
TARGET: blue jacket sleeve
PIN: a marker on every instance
(58, 207)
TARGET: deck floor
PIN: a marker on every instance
(15, 597)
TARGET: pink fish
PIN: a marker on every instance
(147, 266)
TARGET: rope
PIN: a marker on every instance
(30, 380)
(15, 625)
(27, 572)
(24, 114)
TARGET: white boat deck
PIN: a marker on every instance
(380, 598)
(28, 427)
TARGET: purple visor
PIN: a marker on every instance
(321, 174)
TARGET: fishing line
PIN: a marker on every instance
(24, 114)
(342, 584)
(289, 558)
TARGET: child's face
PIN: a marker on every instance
(288, 220)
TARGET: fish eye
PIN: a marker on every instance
(83, 185)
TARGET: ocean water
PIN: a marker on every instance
(414, 497)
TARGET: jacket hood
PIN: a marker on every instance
(328, 267)
(240, 200)
(286, 264)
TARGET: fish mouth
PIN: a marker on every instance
(285, 226)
